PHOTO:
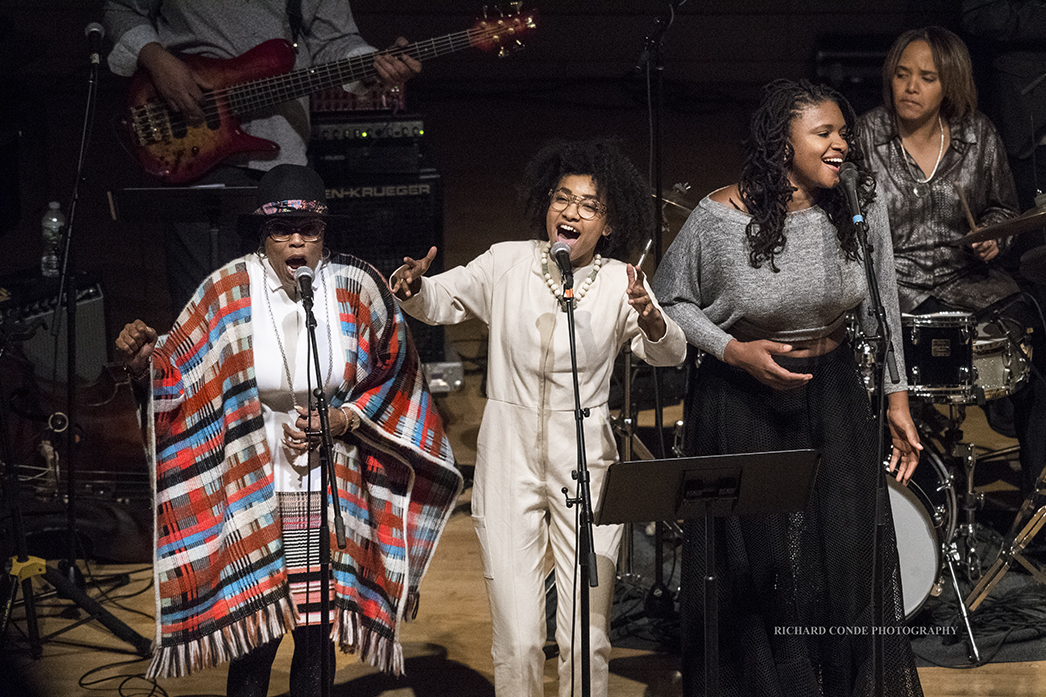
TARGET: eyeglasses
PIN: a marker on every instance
(281, 230)
(587, 208)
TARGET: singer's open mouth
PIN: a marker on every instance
(295, 262)
(567, 233)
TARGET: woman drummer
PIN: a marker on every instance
(942, 173)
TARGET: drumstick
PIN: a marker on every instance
(965, 206)
(646, 250)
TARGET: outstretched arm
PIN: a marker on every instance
(406, 280)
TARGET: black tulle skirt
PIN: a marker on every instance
(796, 591)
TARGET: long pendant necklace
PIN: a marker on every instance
(297, 319)
(922, 187)
(556, 289)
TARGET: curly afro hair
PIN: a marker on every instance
(764, 185)
(630, 209)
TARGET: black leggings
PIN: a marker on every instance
(249, 674)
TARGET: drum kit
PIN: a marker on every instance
(954, 360)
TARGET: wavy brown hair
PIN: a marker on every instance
(954, 70)
(630, 208)
(764, 184)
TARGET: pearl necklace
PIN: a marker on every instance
(921, 189)
(556, 289)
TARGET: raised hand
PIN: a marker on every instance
(650, 319)
(406, 280)
(134, 346)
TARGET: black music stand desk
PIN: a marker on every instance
(183, 204)
(641, 491)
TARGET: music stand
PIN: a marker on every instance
(184, 204)
(705, 487)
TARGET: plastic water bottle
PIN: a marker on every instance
(51, 224)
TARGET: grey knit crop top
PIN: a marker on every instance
(707, 286)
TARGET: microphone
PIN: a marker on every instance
(996, 307)
(303, 276)
(848, 175)
(94, 32)
(561, 253)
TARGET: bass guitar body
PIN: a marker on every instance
(175, 151)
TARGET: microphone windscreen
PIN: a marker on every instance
(303, 272)
(558, 248)
(848, 172)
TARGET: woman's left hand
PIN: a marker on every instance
(650, 319)
(305, 434)
(904, 436)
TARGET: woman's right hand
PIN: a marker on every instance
(757, 359)
(406, 280)
(134, 347)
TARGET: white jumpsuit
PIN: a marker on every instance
(528, 444)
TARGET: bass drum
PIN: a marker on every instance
(924, 520)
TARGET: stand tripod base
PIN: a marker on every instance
(1012, 551)
(69, 590)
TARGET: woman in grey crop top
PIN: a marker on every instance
(761, 278)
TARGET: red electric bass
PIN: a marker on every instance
(170, 148)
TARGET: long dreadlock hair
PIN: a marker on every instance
(630, 209)
(764, 185)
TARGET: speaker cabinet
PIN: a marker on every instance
(31, 302)
(388, 217)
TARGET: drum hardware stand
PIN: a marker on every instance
(952, 443)
(1027, 523)
(951, 556)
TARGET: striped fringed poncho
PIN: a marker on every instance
(221, 578)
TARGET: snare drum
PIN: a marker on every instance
(924, 520)
(938, 356)
(999, 368)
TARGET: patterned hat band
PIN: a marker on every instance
(292, 206)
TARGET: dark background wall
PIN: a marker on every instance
(580, 60)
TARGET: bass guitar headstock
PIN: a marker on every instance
(503, 31)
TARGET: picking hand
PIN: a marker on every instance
(179, 85)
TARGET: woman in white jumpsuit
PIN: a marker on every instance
(588, 195)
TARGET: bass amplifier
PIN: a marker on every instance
(27, 304)
(343, 146)
(385, 219)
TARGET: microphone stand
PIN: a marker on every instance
(586, 553)
(884, 348)
(651, 61)
(326, 451)
(67, 579)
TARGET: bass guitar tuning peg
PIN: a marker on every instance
(509, 49)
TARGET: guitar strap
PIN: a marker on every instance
(296, 20)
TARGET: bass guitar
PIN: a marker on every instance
(168, 147)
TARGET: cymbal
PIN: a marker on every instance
(677, 196)
(1029, 222)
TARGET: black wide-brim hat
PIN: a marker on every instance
(286, 191)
